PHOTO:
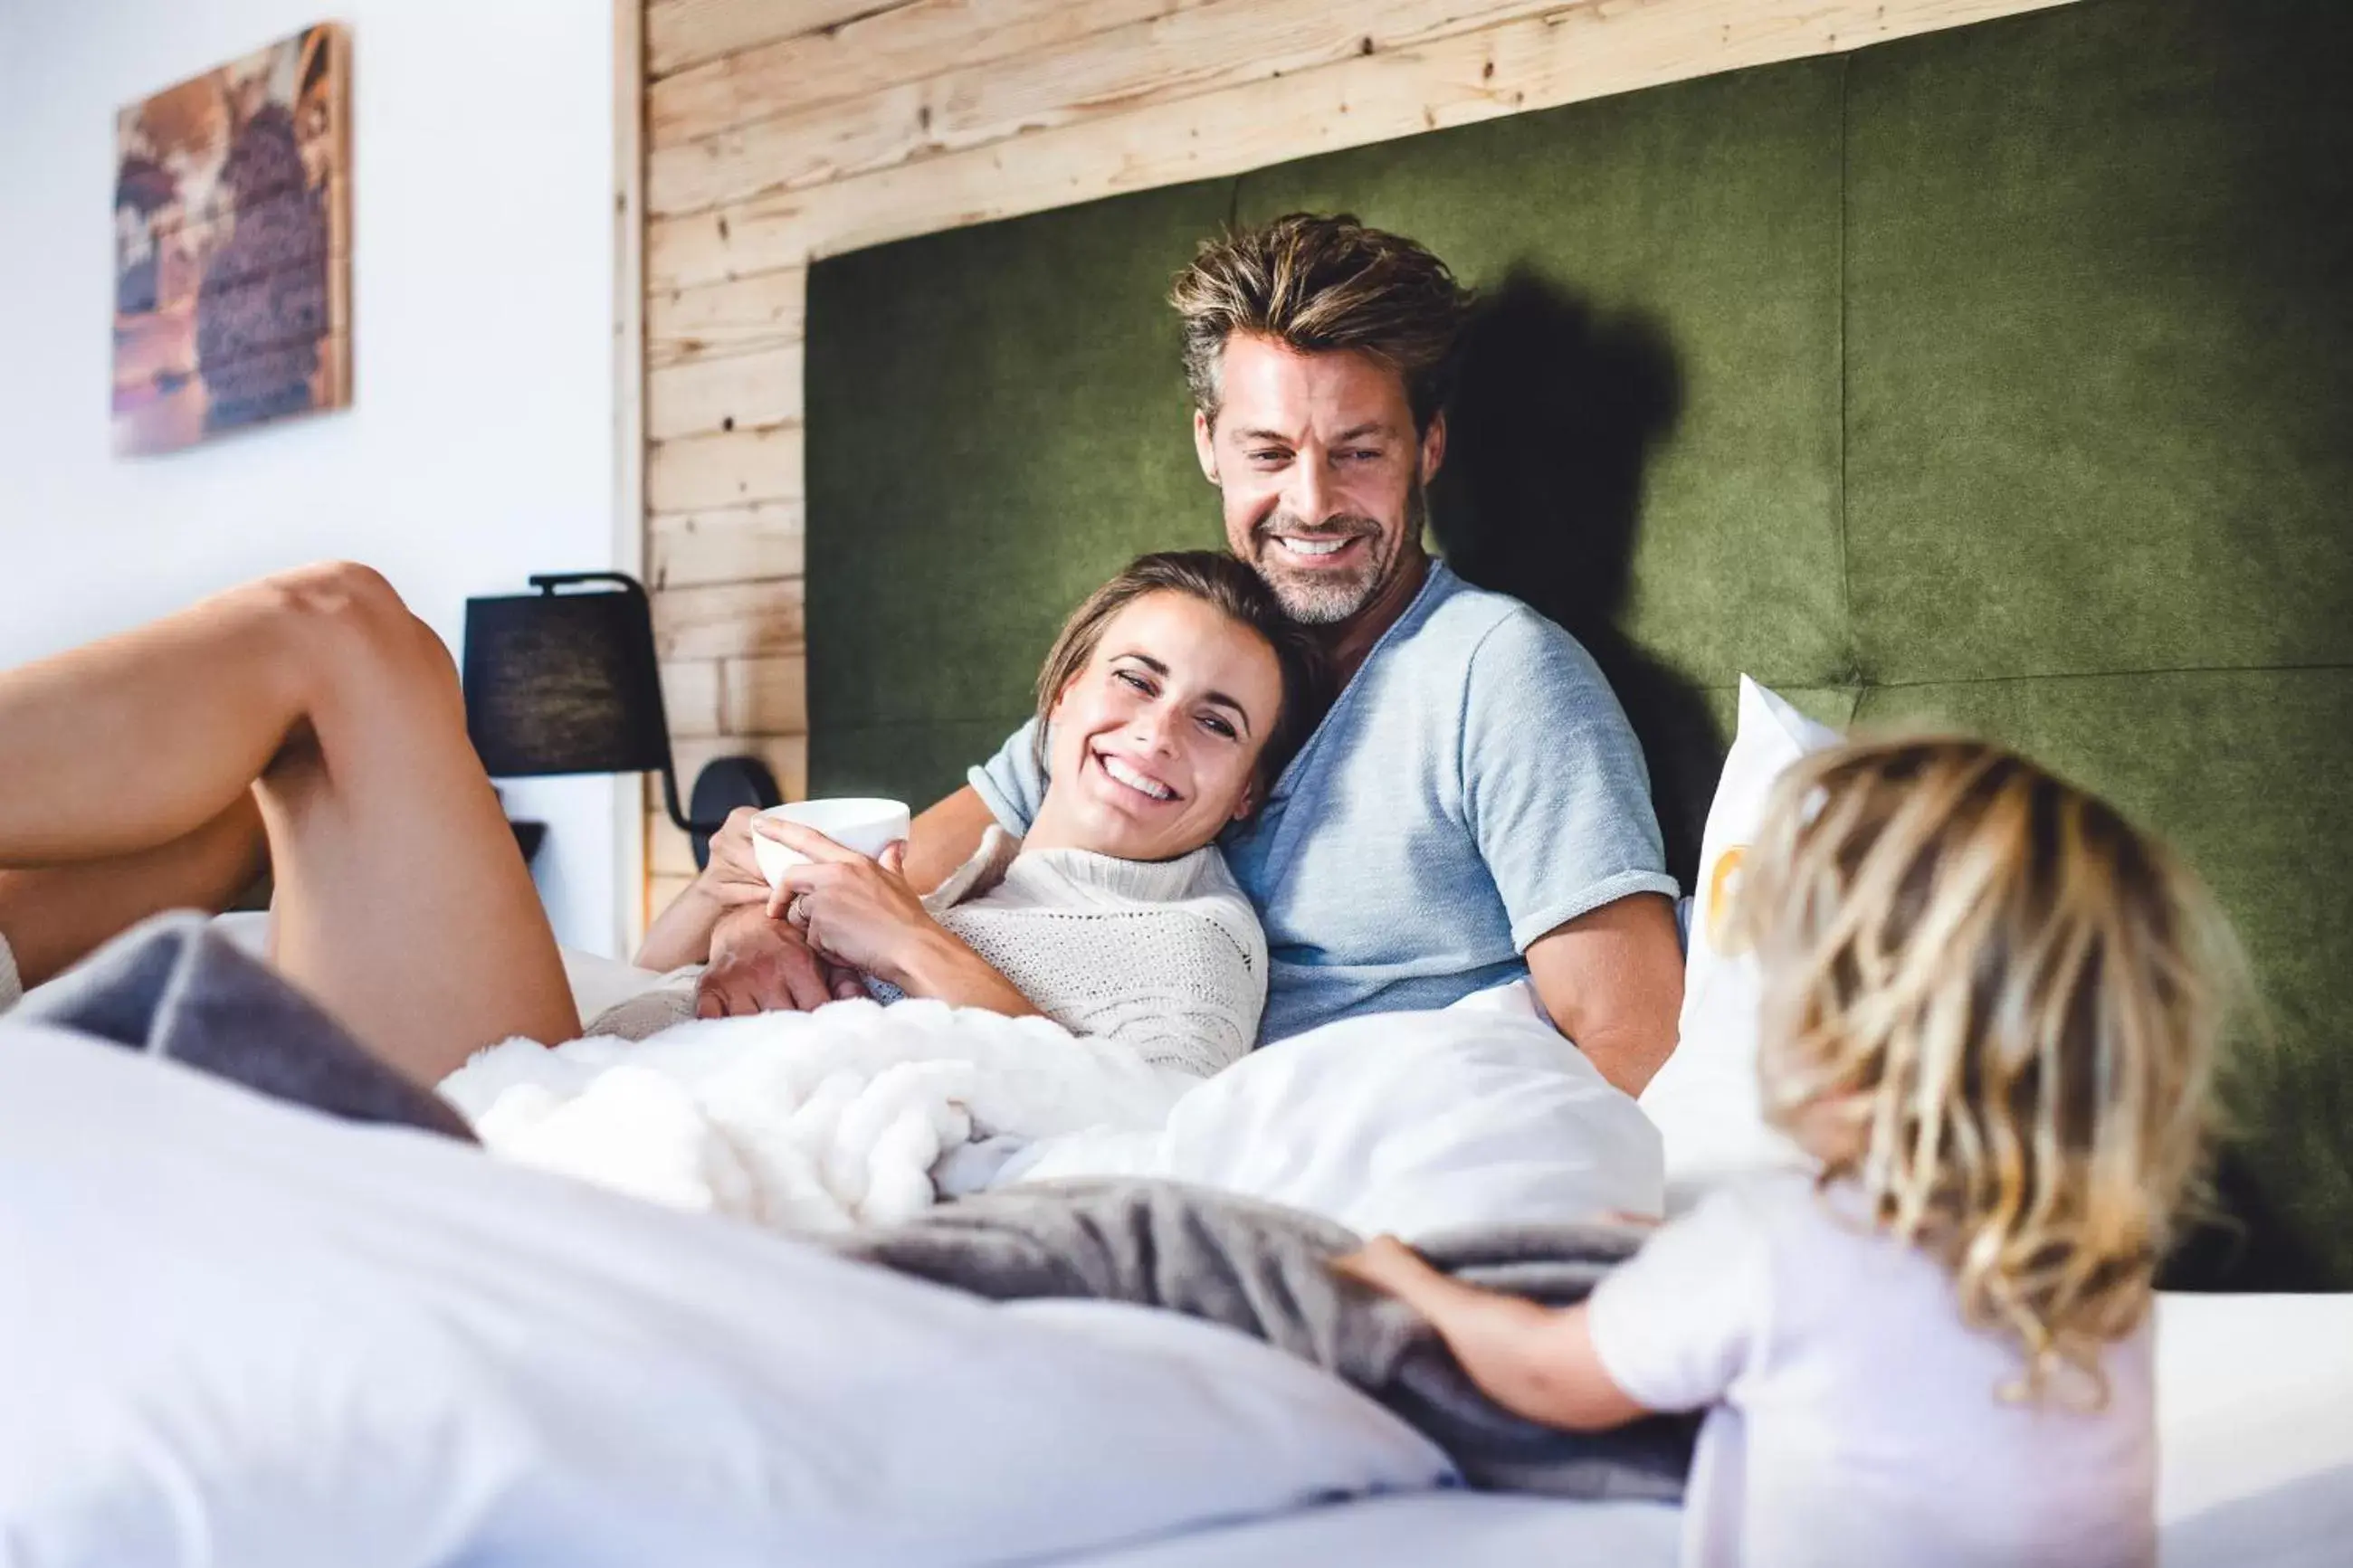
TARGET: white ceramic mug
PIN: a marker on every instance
(853, 822)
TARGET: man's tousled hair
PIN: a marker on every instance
(1317, 284)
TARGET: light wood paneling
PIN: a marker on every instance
(738, 544)
(702, 473)
(728, 620)
(738, 392)
(746, 316)
(766, 695)
(1585, 50)
(1227, 44)
(902, 43)
(682, 33)
(691, 698)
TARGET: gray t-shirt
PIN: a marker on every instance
(1475, 785)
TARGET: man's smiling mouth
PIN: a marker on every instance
(1309, 547)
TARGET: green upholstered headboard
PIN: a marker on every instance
(2001, 377)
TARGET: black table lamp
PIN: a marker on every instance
(566, 683)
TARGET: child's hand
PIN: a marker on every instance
(1385, 1263)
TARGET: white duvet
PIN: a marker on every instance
(801, 1120)
(233, 1332)
(1407, 1122)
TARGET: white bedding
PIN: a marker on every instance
(801, 1120)
(1406, 1122)
(235, 1332)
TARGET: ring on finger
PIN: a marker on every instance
(796, 911)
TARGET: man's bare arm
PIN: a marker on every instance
(1612, 980)
(945, 837)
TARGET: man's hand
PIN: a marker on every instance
(762, 965)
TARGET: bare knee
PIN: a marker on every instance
(346, 632)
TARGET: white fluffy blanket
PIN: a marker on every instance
(801, 1120)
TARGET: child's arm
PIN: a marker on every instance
(1536, 1362)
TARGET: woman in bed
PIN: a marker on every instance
(138, 771)
(1167, 708)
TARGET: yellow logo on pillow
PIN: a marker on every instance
(1722, 882)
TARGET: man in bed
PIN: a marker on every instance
(1474, 809)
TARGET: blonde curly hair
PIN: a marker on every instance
(1995, 1006)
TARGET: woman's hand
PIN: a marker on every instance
(862, 914)
(734, 878)
(854, 911)
(731, 880)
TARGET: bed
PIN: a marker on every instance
(234, 1331)
(1797, 388)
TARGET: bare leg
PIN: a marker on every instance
(54, 915)
(402, 903)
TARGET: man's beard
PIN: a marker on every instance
(1321, 596)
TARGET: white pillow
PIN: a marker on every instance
(1705, 1099)
(1410, 1122)
(235, 1332)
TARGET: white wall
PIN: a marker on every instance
(479, 448)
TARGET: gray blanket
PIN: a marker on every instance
(1262, 1269)
(174, 986)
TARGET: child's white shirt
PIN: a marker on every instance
(1853, 1420)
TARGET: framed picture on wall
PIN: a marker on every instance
(232, 246)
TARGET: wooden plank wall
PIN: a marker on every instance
(777, 132)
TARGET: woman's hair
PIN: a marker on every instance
(2005, 1001)
(1232, 589)
(1317, 284)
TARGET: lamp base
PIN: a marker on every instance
(724, 783)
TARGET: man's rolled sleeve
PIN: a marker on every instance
(1011, 784)
(1553, 781)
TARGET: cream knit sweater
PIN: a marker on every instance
(1165, 956)
(11, 987)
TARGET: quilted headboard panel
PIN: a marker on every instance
(2001, 377)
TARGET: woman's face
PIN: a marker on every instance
(1154, 741)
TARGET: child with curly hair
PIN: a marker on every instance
(1991, 1010)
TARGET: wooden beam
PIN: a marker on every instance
(1591, 49)
(735, 545)
(728, 620)
(748, 315)
(1159, 60)
(684, 33)
(699, 473)
(889, 49)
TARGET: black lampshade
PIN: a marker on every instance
(565, 682)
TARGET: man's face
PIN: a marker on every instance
(1322, 473)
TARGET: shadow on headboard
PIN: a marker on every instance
(1558, 411)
